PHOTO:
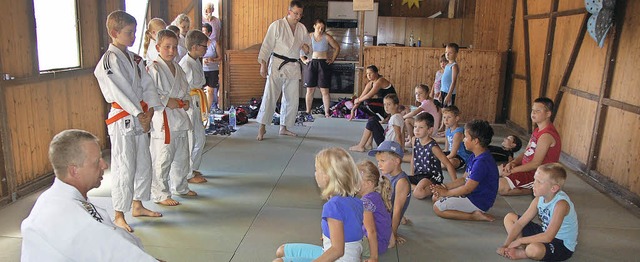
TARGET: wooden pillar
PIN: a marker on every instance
(544, 81)
(605, 86)
(527, 63)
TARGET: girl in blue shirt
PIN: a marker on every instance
(342, 215)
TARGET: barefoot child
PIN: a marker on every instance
(428, 159)
(375, 192)
(450, 76)
(125, 84)
(454, 147)
(556, 238)
(171, 124)
(469, 197)
(374, 129)
(196, 43)
(389, 156)
(426, 105)
(338, 178)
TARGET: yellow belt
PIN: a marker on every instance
(204, 107)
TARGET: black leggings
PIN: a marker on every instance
(374, 107)
(376, 129)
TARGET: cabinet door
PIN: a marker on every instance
(391, 30)
(341, 10)
(371, 21)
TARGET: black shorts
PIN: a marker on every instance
(462, 161)
(317, 73)
(212, 78)
(555, 250)
(415, 179)
(443, 95)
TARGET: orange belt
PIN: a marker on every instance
(165, 125)
(203, 102)
(122, 114)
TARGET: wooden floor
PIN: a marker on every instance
(261, 195)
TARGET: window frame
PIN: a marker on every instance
(79, 41)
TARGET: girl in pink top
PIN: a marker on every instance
(426, 105)
(437, 82)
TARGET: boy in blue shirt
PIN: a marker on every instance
(469, 197)
(556, 238)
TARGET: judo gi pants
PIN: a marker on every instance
(290, 100)
(196, 137)
(170, 166)
(131, 169)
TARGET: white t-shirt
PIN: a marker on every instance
(390, 132)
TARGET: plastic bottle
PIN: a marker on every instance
(419, 42)
(232, 117)
(212, 118)
(411, 42)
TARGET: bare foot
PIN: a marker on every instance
(392, 242)
(190, 193)
(169, 202)
(261, 131)
(120, 222)
(327, 115)
(196, 173)
(481, 216)
(197, 180)
(286, 132)
(405, 221)
(357, 148)
(144, 212)
(515, 253)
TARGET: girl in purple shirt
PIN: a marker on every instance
(375, 191)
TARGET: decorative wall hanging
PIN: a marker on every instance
(411, 3)
(601, 18)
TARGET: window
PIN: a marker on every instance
(57, 34)
(138, 9)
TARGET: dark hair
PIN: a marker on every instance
(548, 103)
(454, 46)
(425, 117)
(174, 28)
(208, 27)
(393, 98)
(373, 68)
(453, 109)
(481, 130)
(443, 58)
(295, 3)
(518, 142)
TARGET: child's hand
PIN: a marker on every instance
(400, 240)
(186, 106)
(514, 244)
(145, 121)
(438, 190)
(502, 251)
(173, 103)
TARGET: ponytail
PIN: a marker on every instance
(384, 188)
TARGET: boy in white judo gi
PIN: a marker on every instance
(63, 224)
(170, 124)
(125, 84)
(281, 47)
(196, 42)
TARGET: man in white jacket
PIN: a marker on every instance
(281, 48)
(63, 224)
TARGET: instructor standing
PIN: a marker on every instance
(281, 48)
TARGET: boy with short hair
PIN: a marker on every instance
(556, 238)
(470, 196)
(389, 156)
(125, 84)
(449, 80)
(509, 146)
(454, 146)
(543, 147)
(196, 42)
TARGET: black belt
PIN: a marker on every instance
(285, 60)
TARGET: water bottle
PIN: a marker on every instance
(232, 117)
(212, 118)
(411, 39)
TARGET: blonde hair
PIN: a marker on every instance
(118, 19)
(556, 172)
(155, 24)
(66, 149)
(370, 172)
(181, 18)
(342, 172)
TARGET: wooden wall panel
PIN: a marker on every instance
(88, 14)
(570, 5)
(493, 21)
(244, 77)
(628, 59)
(392, 30)
(517, 47)
(518, 111)
(16, 53)
(619, 158)
(575, 132)
(566, 31)
(250, 19)
(537, 38)
(432, 32)
(175, 8)
(539, 6)
(587, 72)
(481, 76)
(37, 112)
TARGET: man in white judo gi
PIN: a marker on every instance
(125, 84)
(63, 224)
(281, 48)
